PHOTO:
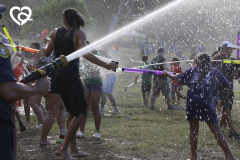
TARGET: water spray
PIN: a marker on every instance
(107, 38)
(45, 70)
(131, 85)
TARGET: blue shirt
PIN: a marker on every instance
(192, 78)
(201, 95)
(7, 74)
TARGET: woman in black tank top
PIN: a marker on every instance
(65, 41)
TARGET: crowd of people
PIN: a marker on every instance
(66, 92)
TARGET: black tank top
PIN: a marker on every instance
(64, 46)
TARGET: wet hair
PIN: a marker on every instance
(144, 58)
(37, 45)
(175, 59)
(73, 18)
(204, 59)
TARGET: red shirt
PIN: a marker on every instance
(177, 69)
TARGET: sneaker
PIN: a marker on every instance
(38, 127)
(171, 107)
(151, 108)
(234, 135)
(96, 135)
(80, 134)
(101, 110)
(115, 111)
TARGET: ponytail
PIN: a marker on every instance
(73, 18)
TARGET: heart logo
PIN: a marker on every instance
(22, 21)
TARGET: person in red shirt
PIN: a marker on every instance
(175, 87)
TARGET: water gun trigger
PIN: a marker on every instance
(42, 72)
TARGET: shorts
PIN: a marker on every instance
(72, 93)
(226, 98)
(7, 151)
(146, 87)
(109, 83)
(92, 87)
(54, 88)
(160, 85)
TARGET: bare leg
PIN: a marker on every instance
(216, 130)
(226, 117)
(17, 115)
(173, 91)
(54, 102)
(73, 124)
(104, 99)
(144, 97)
(42, 107)
(95, 98)
(61, 119)
(219, 108)
(153, 99)
(27, 109)
(36, 109)
(88, 98)
(179, 94)
(194, 127)
(168, 100)
(112, 99)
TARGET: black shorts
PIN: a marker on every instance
(146, 87)
(226, 98)
(72, 93)
(7, 143)
(54, 88)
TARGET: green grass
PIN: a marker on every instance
(158, 134)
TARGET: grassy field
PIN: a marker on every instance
(157, 135)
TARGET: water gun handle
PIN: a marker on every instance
(116, 63)
(41, 72)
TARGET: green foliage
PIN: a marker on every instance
(49, 15)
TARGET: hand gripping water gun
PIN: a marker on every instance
(45, 70)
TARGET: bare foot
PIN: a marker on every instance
(63, 154)
(79, 154)
(42, 143)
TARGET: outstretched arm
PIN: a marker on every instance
(81, 38)
(172, 76)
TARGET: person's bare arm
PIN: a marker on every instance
(172, 76)
(12, 90)
(81, 38)
(136, 78)
(165, 67)
(50, 46)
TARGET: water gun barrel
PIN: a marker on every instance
(45, 70)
